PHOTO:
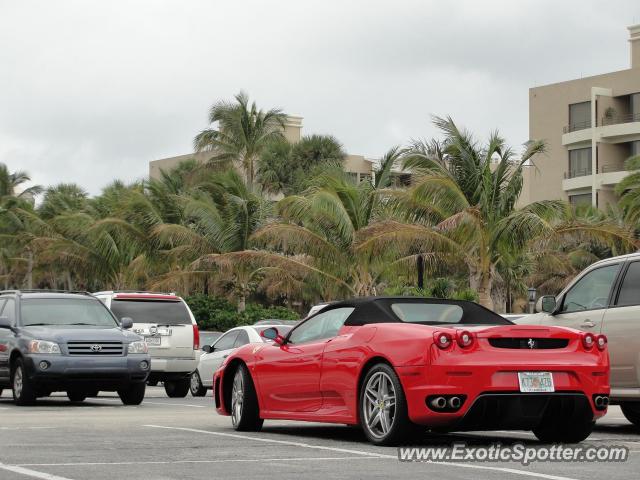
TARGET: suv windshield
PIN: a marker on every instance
(65, 311)
(161, 312)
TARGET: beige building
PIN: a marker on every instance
(357, 165)
(591, 125)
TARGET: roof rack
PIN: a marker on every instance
(44, 290)
(111, 292)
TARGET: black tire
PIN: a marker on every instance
(26, 393)
(93, 393)
(152, 383)
(177, 388)
(244, 408)
(196, 387)
(631, 410)
(0, 392)
(395, 425)
(133, 394)
(563, 432)
(76, 396)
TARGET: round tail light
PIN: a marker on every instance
(443, 339)
(464, 338)
(601, 342)
(588, 341)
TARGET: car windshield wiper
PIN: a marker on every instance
(37, 324)
(83, 323)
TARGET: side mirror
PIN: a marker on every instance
(271, 333)
(5, 323)
(546, 304)
(207, 348)
(126, 322)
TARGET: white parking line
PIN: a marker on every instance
(363, 452)
(157, 403)
(165, 462)
(30, 473)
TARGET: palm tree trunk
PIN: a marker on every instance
(29, 276)
(420, 268)
(242, 303)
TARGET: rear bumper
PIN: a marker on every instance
(492, 397)
(174, 365)
(102, 373)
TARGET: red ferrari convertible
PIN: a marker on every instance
(393, 365)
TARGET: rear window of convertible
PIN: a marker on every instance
(161, 312)
(427, 313)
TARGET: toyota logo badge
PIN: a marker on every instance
(96, 348)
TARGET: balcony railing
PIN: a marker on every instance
(616, 119)
(577, 126)
(577, 173)
(608, 168)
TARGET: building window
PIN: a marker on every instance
(579, 162)
(579, 116)
(580, 199)
(634, 107)
(635, 148)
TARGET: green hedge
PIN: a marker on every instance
(214, 313)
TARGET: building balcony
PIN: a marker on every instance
(608, 175)
(577, 180)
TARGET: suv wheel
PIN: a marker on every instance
(76, 396)
(177, 388)
(24, 392)
(133, 394)
(631, 410)
(197, 390)
(563, 432)
(245, 414)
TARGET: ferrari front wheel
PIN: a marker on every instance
(383, 408)
(245, 414)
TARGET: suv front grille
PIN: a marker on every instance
(529, 343)
(95, 348)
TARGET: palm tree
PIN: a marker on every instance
(242, 133)
(317, 238)
(63, 198)
(467, 193)
(10, 183)
(629, 190)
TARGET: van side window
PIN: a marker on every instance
(592, 291)
(630, 290)
(9, 310)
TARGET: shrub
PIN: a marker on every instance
(214, 313)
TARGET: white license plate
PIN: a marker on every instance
(155, 341)
(532, 382)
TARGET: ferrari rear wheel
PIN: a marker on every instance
(245, 414)
(383, 407)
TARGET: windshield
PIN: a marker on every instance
(65, 311)
(160, 312)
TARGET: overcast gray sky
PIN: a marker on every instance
(91, 91)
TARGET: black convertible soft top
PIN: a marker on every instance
(379, 310)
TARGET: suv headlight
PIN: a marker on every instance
(138, 347)
(43, 346)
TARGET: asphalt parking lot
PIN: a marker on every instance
(185, 439)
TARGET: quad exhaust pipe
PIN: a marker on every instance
(439, 403)
(601, 402)
(445, 403)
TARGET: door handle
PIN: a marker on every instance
(587, 324)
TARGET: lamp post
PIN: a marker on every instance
(532, 299)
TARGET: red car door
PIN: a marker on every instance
(288, 375)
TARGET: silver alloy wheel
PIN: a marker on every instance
(379, 404)
(237, 397)
(195, 382)
(17, 382)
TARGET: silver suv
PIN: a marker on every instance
(605, 298)
(170, 330)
